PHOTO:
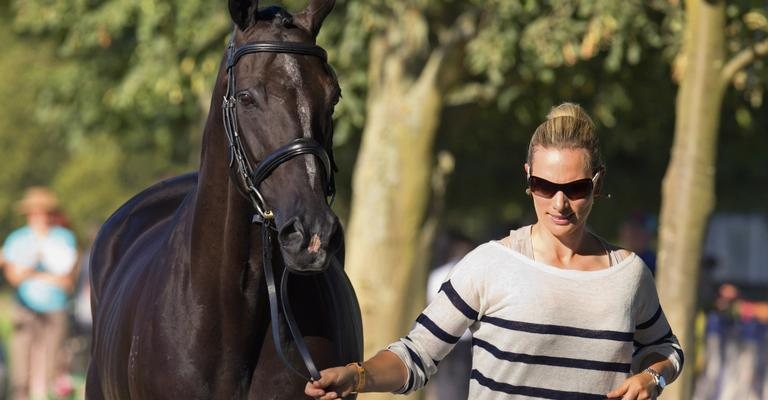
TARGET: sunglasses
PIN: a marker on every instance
(573, 190)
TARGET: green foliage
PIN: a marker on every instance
(30, 151)
(101, 98)
(748, 25)
(125, 89)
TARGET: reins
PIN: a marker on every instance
(274, 311)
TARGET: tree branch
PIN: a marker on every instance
(743, 59)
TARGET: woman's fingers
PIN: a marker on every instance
(636, 387)
(331, 379)
(619, 391)
(312, 389)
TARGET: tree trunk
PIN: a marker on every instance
(391, 183)
(688, 187)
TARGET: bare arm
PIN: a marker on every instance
(384, 372)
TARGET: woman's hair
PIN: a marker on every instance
(568, 126)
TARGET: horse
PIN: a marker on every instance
(184, 289)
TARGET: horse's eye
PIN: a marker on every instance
(245, 98)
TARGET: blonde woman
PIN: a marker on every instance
(555, 311)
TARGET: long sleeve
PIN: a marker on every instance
(441, 324)
(653, 333)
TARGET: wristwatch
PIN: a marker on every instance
(658, 379)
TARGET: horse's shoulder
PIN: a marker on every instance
(155, 201)
(141, 213)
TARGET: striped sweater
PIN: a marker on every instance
(540, 331)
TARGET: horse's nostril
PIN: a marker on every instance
(291, 234)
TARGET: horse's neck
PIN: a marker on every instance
(221, 222)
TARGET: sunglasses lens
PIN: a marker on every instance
(542, 187)
(578, 189)
(573, 190)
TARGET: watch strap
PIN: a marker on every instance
(658, 379)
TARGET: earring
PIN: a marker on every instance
(528, 191)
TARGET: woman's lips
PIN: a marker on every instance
(560, 219)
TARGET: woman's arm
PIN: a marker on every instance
(383, 372)
(407, 363)
(656, 347)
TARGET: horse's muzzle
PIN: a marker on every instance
(308, 250)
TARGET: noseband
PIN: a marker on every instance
(250, 179)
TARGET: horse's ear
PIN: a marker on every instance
(242, 12)
(312, 17)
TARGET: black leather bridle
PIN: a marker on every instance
(250, 178)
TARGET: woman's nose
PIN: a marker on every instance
(560, 201)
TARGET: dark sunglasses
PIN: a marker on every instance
(574, 190)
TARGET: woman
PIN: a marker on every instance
(554, 310)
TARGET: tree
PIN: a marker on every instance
(30, 151)
(127, 96)
(706, 70)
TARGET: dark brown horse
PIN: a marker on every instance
(180, 298)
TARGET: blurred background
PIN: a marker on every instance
(101, 98)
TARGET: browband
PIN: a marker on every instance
(277, 47)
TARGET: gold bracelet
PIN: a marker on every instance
(360, 382)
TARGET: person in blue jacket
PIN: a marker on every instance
(40, 258)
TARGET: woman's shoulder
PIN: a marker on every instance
(487, 256)
(518, 240)
(620, 252)
(616, 252)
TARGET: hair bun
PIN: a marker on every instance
(568, 126)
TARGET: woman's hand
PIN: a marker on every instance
(641, 386)
(334, 383)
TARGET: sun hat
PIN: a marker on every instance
(37, 198)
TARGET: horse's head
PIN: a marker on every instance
(280, 100)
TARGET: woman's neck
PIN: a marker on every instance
(40, 230)
(575, 251)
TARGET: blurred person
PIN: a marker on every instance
(554, 310)
(40, 258)
(636, 235)
(451, 382)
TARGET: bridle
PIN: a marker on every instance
(248, 179)
(240, 166)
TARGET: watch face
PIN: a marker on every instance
(662, 381)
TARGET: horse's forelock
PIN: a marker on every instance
(278, 15)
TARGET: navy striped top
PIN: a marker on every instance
(540, 331)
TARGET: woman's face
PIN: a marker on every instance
(560, 215)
